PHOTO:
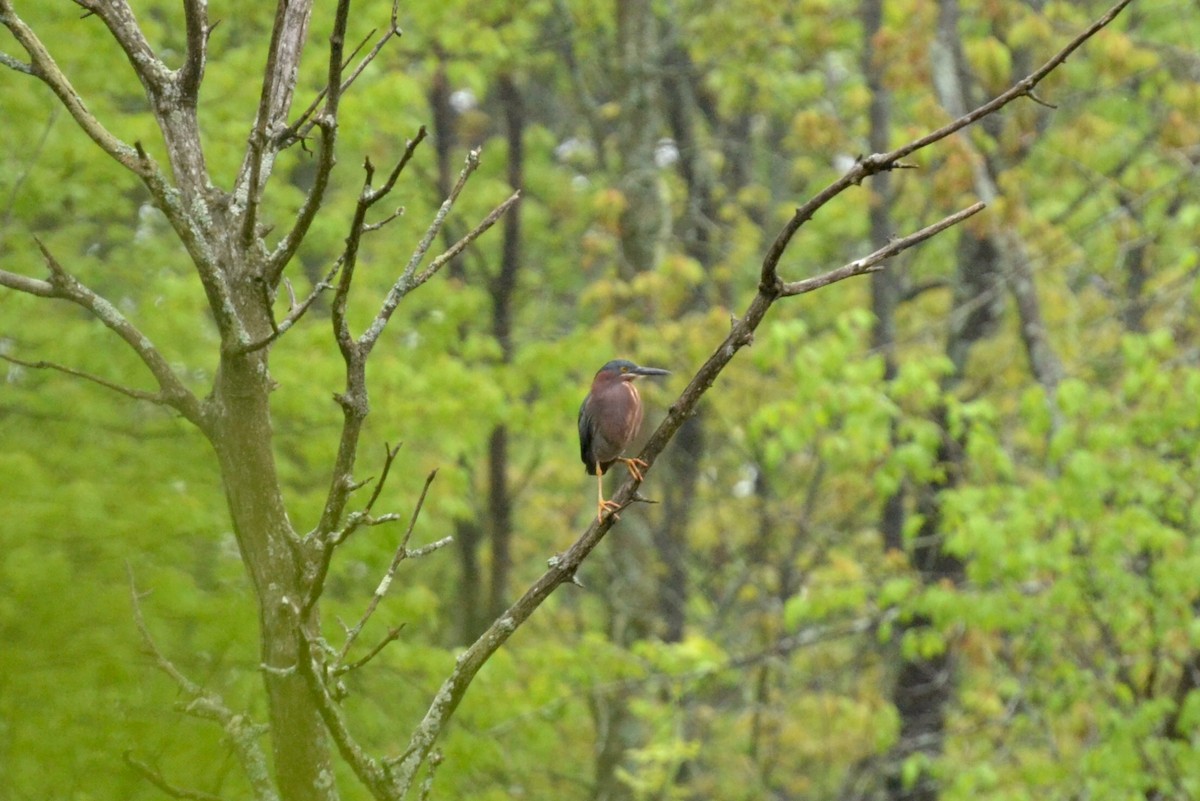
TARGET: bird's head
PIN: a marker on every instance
(625, 370)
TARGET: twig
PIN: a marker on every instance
(65, 286)
(409, 279)
(401, 554)
(297, 311)
(561, 569)
(243, 734)
(458, 247)
(329, 540)
(369, 772)
(390, 637)
(136, 394)
(298, 130)
(881, 162)
(156, 778)
(874, 261)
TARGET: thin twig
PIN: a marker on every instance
(156, 778)
(881, 162)
(297, 311)
(333, 539)
(401, 554)
(409, 279)
(458, 247)
(243, 734)
(563, 567)
(368, 770)
(390, 637)
(63, 285)
(874, 262)
(136, 394)
(299, 129)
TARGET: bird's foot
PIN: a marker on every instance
(634, 465)
(607, 506)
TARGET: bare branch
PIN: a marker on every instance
(195, 16)
(329, 539)
(562, 568)
(64, 286)
(374, 196)
(410, 279)
(136, 394)
(874, 261)
(16, 64)
(243, 734)
(30, 286)
(390, 637)
(881, 162)
(123, 26)
(296, 312)
(300, 129)
(401, 554)
(288, 34)
(43, 67)
(368, 770)
(461, 245)
(156, 778)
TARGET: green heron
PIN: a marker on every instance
(609, 420)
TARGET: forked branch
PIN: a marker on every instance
(404, 768)
(243, 734)
(64, 286)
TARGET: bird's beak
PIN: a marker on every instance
(649, 371)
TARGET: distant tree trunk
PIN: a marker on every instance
(502, 289)
(885, 285)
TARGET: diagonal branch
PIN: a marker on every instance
(156, 778)
(458, 247)
(136, 394)
(43, 67)
(64, 286)
(401, 554)
(299, 129)
(123, 25)
(403, 768)
(295, 313)
(410, 279)
(243, 734)
(882, 162)
(874, 262)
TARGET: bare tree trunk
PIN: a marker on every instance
(886, 285)
(241, 436)
(503, 291)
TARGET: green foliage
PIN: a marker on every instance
(1076, 513)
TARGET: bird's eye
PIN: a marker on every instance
(624, 369)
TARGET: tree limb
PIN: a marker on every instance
(562, 568)
(409, 279)
(288, 34)
(874, 262)
(43, 67)
(158, 780)
(880, 162)
(64, 286)
(242, 732)
(136, 394)
(195, 18)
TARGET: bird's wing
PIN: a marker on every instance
(585, 437)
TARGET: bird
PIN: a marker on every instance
(609, 420)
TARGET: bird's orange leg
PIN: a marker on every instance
(634, 465)
(601, 504)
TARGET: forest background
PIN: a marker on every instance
(934, 536)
